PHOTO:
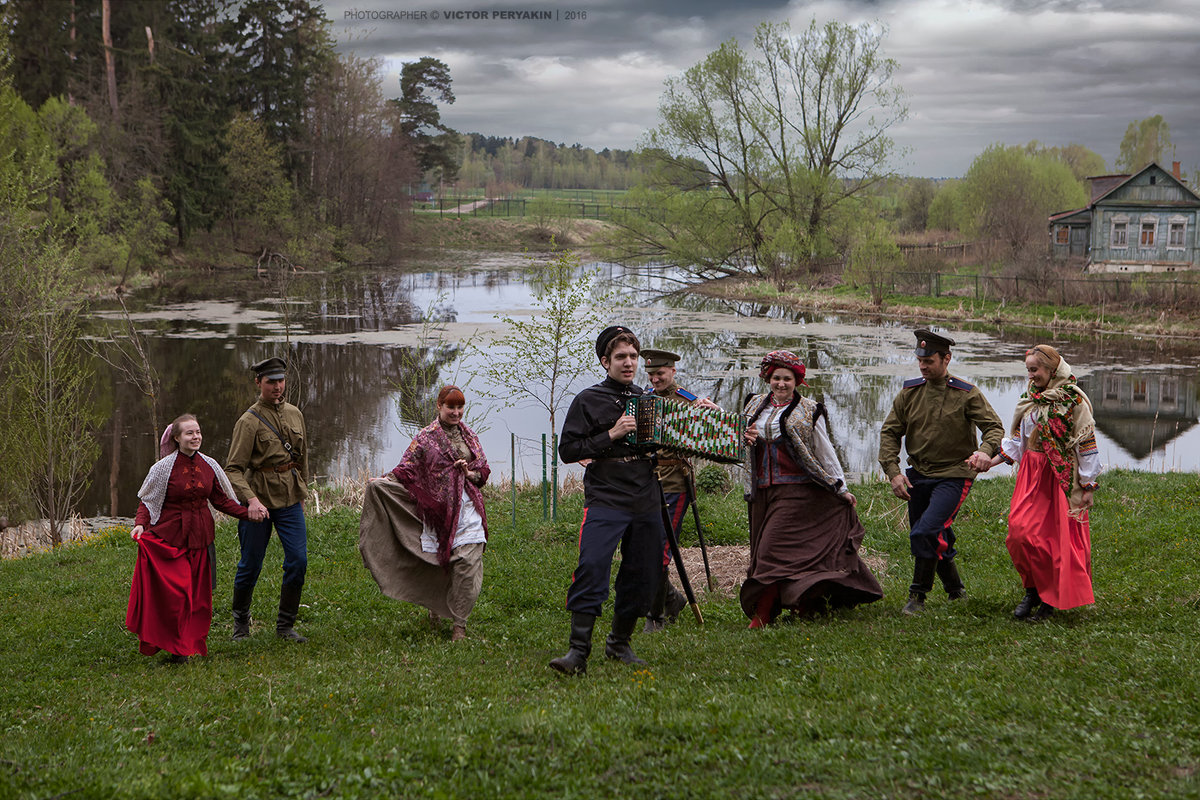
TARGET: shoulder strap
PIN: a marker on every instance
(282, 440)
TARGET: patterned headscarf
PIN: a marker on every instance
(782, 358)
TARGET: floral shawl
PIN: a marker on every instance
(1062, 414)
(427, 471)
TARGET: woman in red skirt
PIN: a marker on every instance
(170, 601)
(1054, 441)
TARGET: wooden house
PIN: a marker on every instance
(1145, 222)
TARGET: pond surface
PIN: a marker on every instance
(355, 335)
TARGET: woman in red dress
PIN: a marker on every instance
(170, 601)
(1053, 440)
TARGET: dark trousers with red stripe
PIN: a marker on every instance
(677, 506)
(640, 538)
(932, 506)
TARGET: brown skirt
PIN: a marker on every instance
(804, 541)
(389, 539)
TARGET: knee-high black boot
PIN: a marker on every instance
(947, 570)
(241, 611)
(656, 619)
(575, 660)
(289, 605)
(923, 570)
(617, 645)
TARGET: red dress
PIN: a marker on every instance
(170, 601)
(1051, 550)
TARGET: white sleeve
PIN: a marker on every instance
(826, 455)
(1013, 447)
(1089, 463)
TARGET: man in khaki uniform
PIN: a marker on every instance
(675, 476)
(268, 467)
(936, 415)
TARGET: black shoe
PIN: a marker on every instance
(174, 658)
(617, 646)
(1027, 604)
(676, 602)
(575, 660)
(1044, 611)
(915, 604)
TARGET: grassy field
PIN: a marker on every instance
(960, 702)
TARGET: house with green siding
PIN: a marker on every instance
(1144, 222)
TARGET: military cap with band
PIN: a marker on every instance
(659, 358)
(606, 336)
(273, 368)
(929, 343)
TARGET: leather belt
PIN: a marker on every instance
(285, 467)
(623, 459)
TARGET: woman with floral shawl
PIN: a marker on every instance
(170, 598)
(804, 531)
(1053, 439)
(424, 527)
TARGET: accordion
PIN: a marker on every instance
(667, 424)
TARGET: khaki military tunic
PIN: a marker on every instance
(256, 456)
(937, 422)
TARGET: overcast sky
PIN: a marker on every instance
(975, 72)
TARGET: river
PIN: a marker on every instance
(353, 335)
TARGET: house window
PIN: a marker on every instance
(1175, 235)
(1148, 231)
(1062, 235)
(1139, 390)
(1169, 392)
(1120, 234)
(1112, 387)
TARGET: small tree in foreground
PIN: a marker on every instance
(540, 359)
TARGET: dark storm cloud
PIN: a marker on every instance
(974, 73)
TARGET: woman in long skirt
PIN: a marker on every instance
(424, 528)
(804, 530)
(170, 599)
(1053, 440)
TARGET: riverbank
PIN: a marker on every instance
(962, 701)
(966, 312)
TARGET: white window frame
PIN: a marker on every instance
(1119, 219)
(1152, 221)
(1181, 221)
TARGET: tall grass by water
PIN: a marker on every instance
(960, 702)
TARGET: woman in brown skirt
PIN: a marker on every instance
(804, 531)
(424, 527)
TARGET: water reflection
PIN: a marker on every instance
(353, 335)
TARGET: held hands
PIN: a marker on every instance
(751, 435)
(901, 485)
(258, 512)
(1087, 500)
(849, 498)
(980, 461)
(136, 533)
(623, 427)
(704, 402)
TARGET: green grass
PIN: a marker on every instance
(960, 702)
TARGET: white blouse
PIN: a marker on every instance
(1088, 460)
(470, 528)
(769, 430)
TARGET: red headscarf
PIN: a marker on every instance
(782, 358)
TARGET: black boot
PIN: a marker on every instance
(656, 619)
(947, 570)
(1029, 602)
(575, 661)
(617, 645)
(289, 604)
(923, 570)
(676, 603)
(1044, 611)
(241, 612)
